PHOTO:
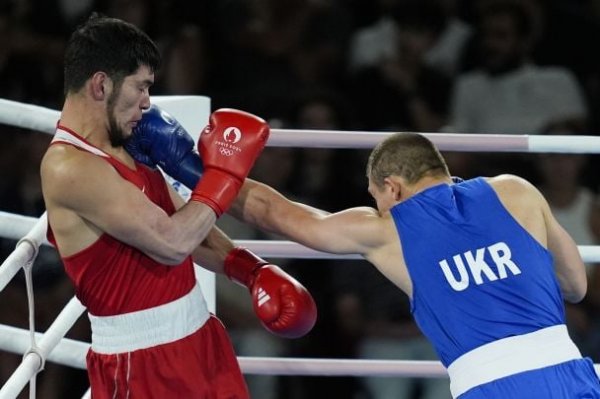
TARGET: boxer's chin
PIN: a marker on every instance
(117, 137)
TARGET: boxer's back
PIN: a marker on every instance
(477, 274)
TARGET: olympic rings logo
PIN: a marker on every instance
(226, 152)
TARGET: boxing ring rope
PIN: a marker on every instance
(267, 248)
(26, 249)
(15, 226)
(43, 119)
(33, 361)
(72, 353)
(54, 347)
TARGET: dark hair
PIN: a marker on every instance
(420, 15)
(110, 45)
(331, 99)
(520, 15)
(411, 156)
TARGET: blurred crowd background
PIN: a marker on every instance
(467, 66)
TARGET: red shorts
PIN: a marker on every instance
(202, 365)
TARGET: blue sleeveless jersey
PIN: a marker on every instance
(477, 275)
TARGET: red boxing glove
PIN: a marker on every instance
(228, 146)
(283, 305)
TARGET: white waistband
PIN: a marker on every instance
(149, 327)
(508, 356)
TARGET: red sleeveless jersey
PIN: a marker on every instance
(112, 277)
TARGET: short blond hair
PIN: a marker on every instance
(411, 156)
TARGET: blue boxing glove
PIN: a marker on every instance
(159, 140)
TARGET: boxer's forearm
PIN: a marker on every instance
(181, 233)
(211, 253)
(259, 205)
(265, 208)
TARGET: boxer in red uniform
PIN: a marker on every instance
(128, 241)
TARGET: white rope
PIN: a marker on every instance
(72, 353)
(15, 226)
(24, 252)
(267, 248)
(28, 116)
(363, 139)
(33, 347)
(32, 362)
(589, 253)
(574, 144)
(43, 119)
(346, 367)
(342, 367)
(68, 352)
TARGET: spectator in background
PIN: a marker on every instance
(187, 63)
(446, 53)
(568, 34)
(283, 46)
(374, 43)
(410, 95)
(506, 92)
(318, 169)
(377, 41)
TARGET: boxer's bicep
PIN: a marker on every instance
(96, 192)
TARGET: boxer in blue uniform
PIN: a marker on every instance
(485, 263)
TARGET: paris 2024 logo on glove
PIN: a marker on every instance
(231, 136)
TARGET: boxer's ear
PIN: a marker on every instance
(100, 86)
(394, 187)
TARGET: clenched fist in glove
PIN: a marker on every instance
(228, 146)
(158, 139)
(283, 305)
